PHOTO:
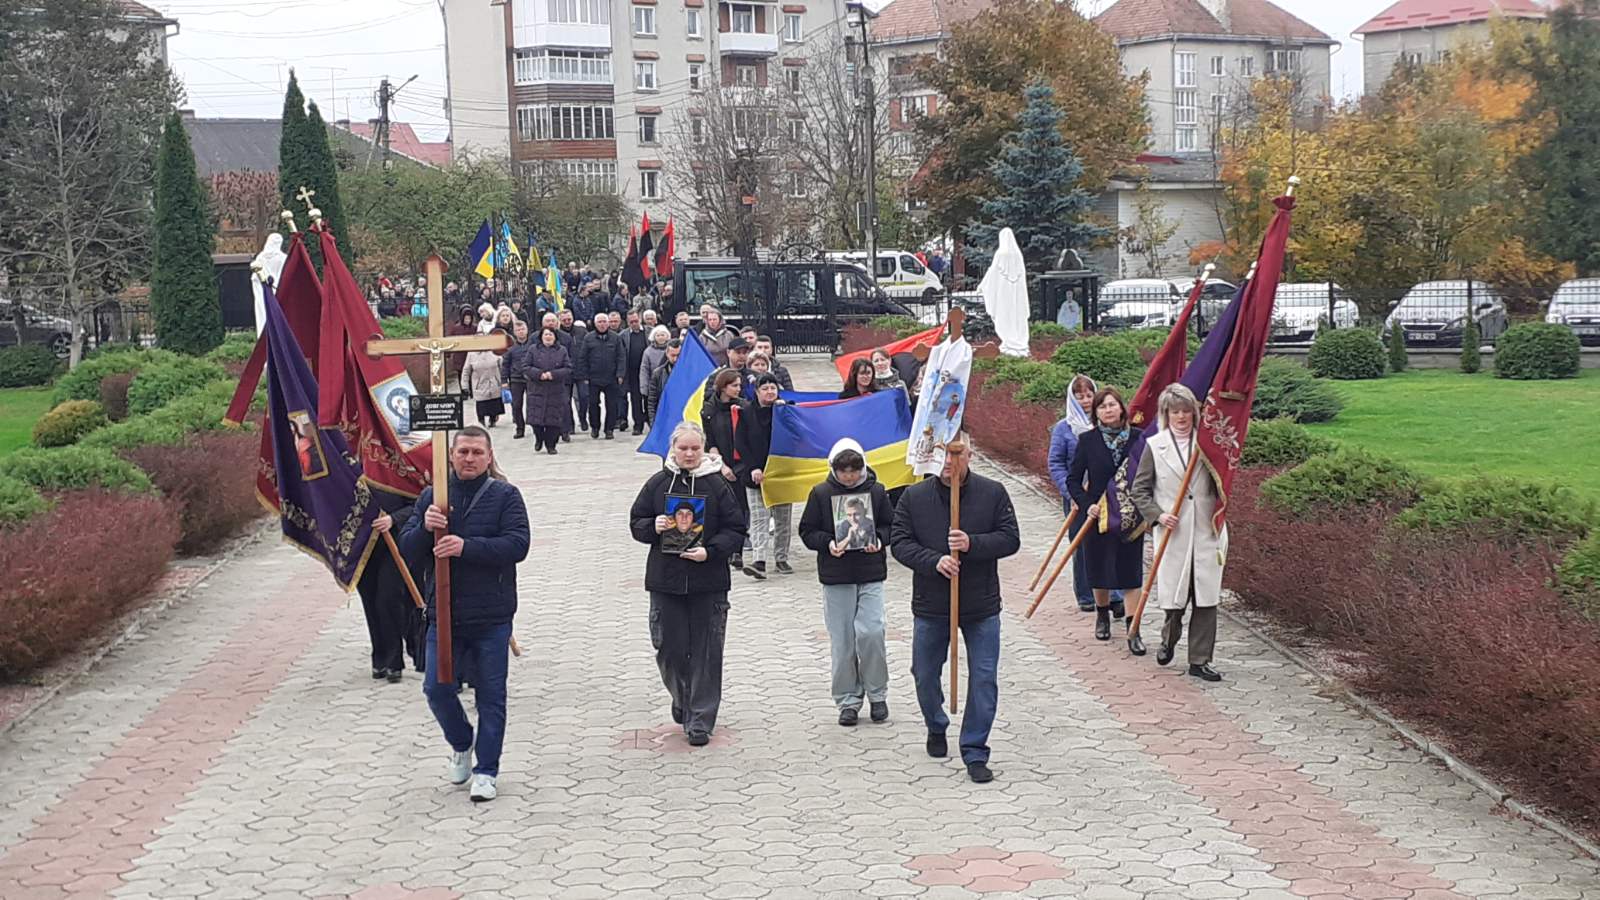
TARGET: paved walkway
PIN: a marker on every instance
(238, 749)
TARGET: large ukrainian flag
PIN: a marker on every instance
(803, 434)
(683, 397)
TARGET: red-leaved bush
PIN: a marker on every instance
(1018, 433)
(71, 570)
(210, 481)
(114, 395)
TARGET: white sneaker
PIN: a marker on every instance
(482, 788)
(459, 768)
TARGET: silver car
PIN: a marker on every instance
(1434, 313)
(1301, 308)
(1137, 303)
(1576, 305)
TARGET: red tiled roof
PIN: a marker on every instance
(907, 20)
(403, 139)
(1135, 20)
(1435, 13)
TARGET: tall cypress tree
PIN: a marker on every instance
(294, 165)
(1568, 165)
(323, 176)
(183, 284)
(1041, 198)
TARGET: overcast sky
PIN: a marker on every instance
(234, 55)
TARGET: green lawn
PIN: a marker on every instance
(1444, 423)
(19, 409)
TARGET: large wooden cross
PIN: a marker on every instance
(436, 344)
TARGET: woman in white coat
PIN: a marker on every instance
(1191, 571)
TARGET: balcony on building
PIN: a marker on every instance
(748, 29)
(574, 24)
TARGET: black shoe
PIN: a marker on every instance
(937, 748)
(594, 434)
(610, 436)
(849, 716)
(392, 676)
(784, 568)
(379, 674)
(566, 439)
(979, 773)
(1118, 610)
(677, 714)
(538, 444)
(1086, 607)
(1164, 654)
(637, 431)
(756, 571)
(880, 710)
(1204, 673)
(551, 449)
(699, 739)
(519, 434)
(736, 561)
(1135, 643)
(1102, 624)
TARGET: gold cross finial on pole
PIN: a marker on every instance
(304, 196)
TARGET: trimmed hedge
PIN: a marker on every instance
(1471, 355)
(1286, 390)
(73, 468)
(1349, 478)
(1347, 353)
(1537, 350)
(114, 395)
(198, 411)
(1503, 507)
(1282, 442)
(415, 327)
(67, 423)
(208, 479)
(1578, 576)
(83, 383)
(1038, 330)
(235, 348)
(19, 501)
(157, 385)
(1109, 361)
(27, 365)
(1048, 386)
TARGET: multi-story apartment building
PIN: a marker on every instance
(601, 91)
(905, 34)
(1420, 32)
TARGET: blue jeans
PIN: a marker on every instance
(1080, 568)
(481, 657)
(930, 647)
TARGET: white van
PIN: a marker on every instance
(901, 275)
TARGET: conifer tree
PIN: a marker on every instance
(294, 164)
(183, 284)
(1398, 357)
(1567, 166)
(323, 176)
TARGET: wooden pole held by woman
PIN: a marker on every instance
(1061, 564)
(1053, 548)
(405, 570)
(1161, 548)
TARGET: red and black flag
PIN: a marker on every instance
(665, 250)
(631, 275)
(647, 242)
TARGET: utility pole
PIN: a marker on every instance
(384, 100)
(869, 108)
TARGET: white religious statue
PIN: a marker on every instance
(1005, 295)
(269, 264)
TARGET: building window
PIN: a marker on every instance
(580, 12)
(1185, 140)
(568, 66)
(1219, 67)
(1411, 58)
(697, 130)
(796, 129)
(1186, 106)
(794, 185)
(1247, 67)
(1283, 61)
(695, 70)
(644, 20)
(743, 19)
(691, 19)
(565, 122)
(791, 28)
(644, 74)
(650, 185)
(647, 129)
(525, 122)
(791, 79)
(744, 75)
(911, 107)
(592, 176)
(1185, 71)
(1218, 101)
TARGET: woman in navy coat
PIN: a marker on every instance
(1111, 562)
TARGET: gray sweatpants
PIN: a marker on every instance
(856, 630)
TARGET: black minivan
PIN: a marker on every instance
(802, 305)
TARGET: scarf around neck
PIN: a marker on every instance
(1116, 441)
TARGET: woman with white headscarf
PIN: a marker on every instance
(1190, 574)
(1063, 442)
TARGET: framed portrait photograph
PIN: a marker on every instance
(852, 521)
(687, 516)
(308, 449)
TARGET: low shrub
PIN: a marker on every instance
(1038, 330)
(1471, 356)
(27, 365)
(1503, 507)
(1347, 353)
(114, 395)
(72, 469)
(1399, 359)
(1276, 443)
(74, 568)
(1108, 360)
(1014, 370)
(210, 479)
(1286, 390)
(235, 348)
(1578, 576)
(83, 383)
(1048, 386)
(1146, 341)
(900, 326)
(1537, 350)
(1347, 478)
(157, 385)
(19, 501)
(67, 423)
(139, 431)
(404, 326)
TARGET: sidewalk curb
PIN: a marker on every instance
(130, 624)
(1501, 797)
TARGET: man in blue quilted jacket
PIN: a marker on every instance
(486, 536)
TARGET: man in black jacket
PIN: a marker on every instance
(638, 338)
(922, 541)
(601, 363)
(658, 378)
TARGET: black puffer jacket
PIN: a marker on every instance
(753, 440)
(724, 523)
(922, 535)
(602, 358)
(817, 531)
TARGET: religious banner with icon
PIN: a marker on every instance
(943, 400)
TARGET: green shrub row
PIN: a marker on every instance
(199, 410)
(83, 383)
(1503, 507)
(236, 347)
(1345, 479)
(1286, 390)
(1578, 576)
(1536, 350)
(1276, 443)
(159, 384)
(415, 326)
(27, 365)
(73, 468)
(1347, 353)
(19, 501)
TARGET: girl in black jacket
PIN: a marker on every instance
(716, 418)
(1111, 562)
(753, 440)
(852, 566)
(689, 504)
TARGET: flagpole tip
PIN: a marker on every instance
(1294, 182)
(288, 219)
(1205, 274)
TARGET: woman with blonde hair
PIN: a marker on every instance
(1190, 574)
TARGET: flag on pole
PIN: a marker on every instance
(802, 435)
(1167, 366)
(647, 242)
(325, 508)
(479, 252)
(904, 345)
(943, 400)
(632, 276)
(552, 281)
(506, 254)
(682, 398)
(665, 250)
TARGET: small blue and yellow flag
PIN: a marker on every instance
(682, 398)
(478, 252)
(802, 435)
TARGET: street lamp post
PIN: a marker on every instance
(859, 15)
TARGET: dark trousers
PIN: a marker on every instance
(579, 394)
(1202, 630)
(519, 393)
(612, 392)
(636, 401)
(688, 632)
(481, 657)
(930, 650)
(546, 435)
(389, 614)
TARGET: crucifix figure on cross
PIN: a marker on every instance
(436, 344)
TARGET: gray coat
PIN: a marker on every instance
(546, 403)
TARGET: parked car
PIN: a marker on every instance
(1576, 304)
(1302, 307)
(1434, 313)
(1214, 298)
(1138, 303)
(36, 328)
(902, 276)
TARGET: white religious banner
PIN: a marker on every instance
(943, 400)
(1005, 295)
(269, 263)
